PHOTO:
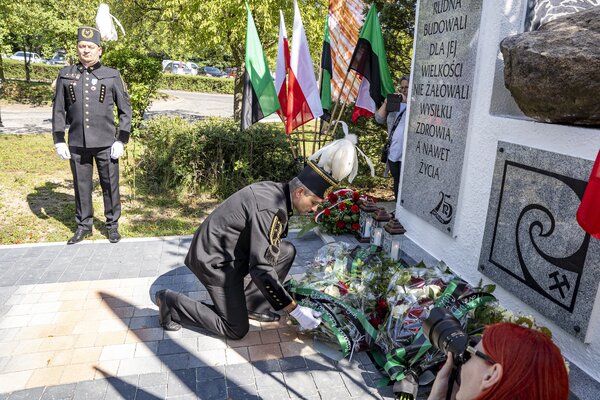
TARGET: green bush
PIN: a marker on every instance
(203, 84)
(141, 74)
(28, 92)
(212, 155)
(14, 69)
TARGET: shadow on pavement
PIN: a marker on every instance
(47, 202)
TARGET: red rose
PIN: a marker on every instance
(381, 304)
(355, 227)
(327, 212)
(343, 287)
(355, 209)
(375, 321)
(340, 224)
(355, 196)
(332, 198)
(342, 206)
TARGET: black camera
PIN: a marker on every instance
(445, 332)
(393, 102)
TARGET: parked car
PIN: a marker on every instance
(59, 58)
(212, 71)
(194, 67)
(32, 57)
(179, 68)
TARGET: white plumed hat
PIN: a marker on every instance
(104, 23)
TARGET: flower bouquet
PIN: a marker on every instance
(339, 213)
(370, 302)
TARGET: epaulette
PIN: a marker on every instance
(105, 72)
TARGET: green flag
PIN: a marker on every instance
(370, 61)
(259, 95)
(326, 73)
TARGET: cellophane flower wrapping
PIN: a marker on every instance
(377, 304)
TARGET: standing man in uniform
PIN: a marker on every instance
(243, 237)
(85, 97)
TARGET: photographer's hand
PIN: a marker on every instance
(382, 111)
(440, 386)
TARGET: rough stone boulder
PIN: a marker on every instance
(554, 73)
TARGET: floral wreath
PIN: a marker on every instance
(339, 194)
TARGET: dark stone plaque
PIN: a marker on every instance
(533, 245)
(440, 103)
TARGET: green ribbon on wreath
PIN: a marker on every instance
(397, 364)
(333, 324)
(320, 301)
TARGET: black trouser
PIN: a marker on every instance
(108, 172)
(395, 171)
(229, 314)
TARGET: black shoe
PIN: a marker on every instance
(266, 316)
(113, 235)
(79, 235)
(164, 314)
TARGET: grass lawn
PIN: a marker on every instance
(37, 201)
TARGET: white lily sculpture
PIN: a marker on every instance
(339, 157)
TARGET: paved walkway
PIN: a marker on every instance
(79, 322)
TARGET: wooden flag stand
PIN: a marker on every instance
(302, 141)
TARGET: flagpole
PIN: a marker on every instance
(338, 100)
(292, 146)
(337, 120)
(317, 119)
(304, 144)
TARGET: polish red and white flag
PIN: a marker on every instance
(365, 105)
(283, 63)
(304, 100)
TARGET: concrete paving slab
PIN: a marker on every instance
(79, 322)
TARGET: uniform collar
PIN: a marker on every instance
(94, 67)
(288, 199)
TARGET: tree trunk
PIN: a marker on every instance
(238, 87)
(1, 88)
(27, 66)
(238, 53)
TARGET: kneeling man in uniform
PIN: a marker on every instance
(243, 237)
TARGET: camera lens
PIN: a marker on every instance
(445, 332)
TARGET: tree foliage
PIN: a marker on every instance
(142, 75)
(42, 26)
(397, 19)
(191, 29)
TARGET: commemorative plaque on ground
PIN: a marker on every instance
(533, 245)
(442, 88)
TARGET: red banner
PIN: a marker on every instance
(588, 214)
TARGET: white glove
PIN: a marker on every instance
(116, 150)
(63, 151)
(306, 317)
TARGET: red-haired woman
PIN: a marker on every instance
(509, 363)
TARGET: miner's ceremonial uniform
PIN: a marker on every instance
(242, 236)
(85, 99)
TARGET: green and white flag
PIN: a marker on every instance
(259, 95)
